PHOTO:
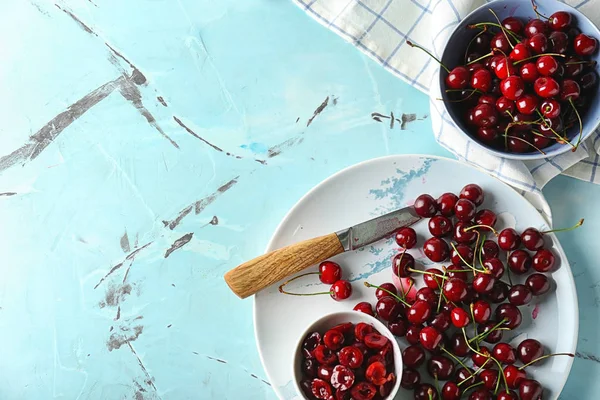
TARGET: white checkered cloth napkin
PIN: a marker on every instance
(380, 29)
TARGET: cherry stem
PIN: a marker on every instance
(501, 372)
(529, 143)
(483, 335)
(426, 273)
(559, 137)
(458, 360)
(491, 228)
(411, 44)
(544, 357)
(586, 62)
(473, 386)
(478, 370)
(485, 271)
(491, 53)
(539, 55)
(474, 323)
(300, 294)
(580, 124)
(503, 29)
(473, 39)
(577, 225)
(463, 99)
(486, 24)
(481, 252)
(508, 271)
(367, 284)
(430, 393)
(535, 10)
(439, 304)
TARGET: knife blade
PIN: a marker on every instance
(252, 276)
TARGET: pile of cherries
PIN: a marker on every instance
(524, 85)
(455, 323)
(347, 362)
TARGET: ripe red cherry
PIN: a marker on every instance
(333, 339)
(529, 72)
(472, 192)
(489, 377)
(512, 87)
(419, 312)
(363, 391)
(559, 21)
(546, 65)
(484, 359)
(534, 27)
(546, 87)
(413, 356)
(509, 239)
(376, 373)
(511, 314)
(512, 24)
(543, 260)
(499, 292)
(460, 318)
(481, 80)
(388, 308)
(569, 90)
(494, 266)
(482, 311)
(519, 295)
(406, 237)
(329, 272)
(529, 350)
(490, 250)
(541, 141)
(412, 334)
(527, 104)
(504, 353)
(454, 271)
(549, 125)
(458, 78)
(519, 142)
(340, 290)
(446, 204)
(505, 68)
(538, 284)
(459, 345)
(321, 389)
(436, 249)
(462, 236)
(538, 43)
(481, 394)
(559, 42)
(465, 209)
(425, 206)
(488, 134)
(487, 99)
(451, 391)
(402, 263)
(500, 44)
(309, 367)
(494, 335)
(428, 295)
(514, 376)
(398, 327)
(510, 395)
(519, 261)
(440, 367)
(483, 283)
(466, 375)
(460, 254)
(425, 391)
(485, 115)
(430, 338)
(410, 378)
(324, 355)
(505, 106)
(530, 389)
(440, 226)
(376, 341)
(441, 321)
(520, 52)
(432, 278)
(455, 289)
(384, 290)
(585, 45)
(364, 307)
(351, 356)
(588, 81)
(550, 108)
(342, 378)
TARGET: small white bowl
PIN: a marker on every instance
(329, 321)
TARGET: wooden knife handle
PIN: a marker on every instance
(250, 277)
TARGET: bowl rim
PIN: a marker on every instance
(380, 326)
(517, 156)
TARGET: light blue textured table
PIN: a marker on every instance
(146, 148)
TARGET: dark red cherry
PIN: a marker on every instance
(569, 90)
(441, 321)
(412, 334)
(504, 68)
(494, 266)
(485, 217)
(385, 289)
(321, 389)
(483, 359)
(472, 192)
(324, 355)
(588, 81)
(489, 377)
(465, 209)
(406, 237)
(585, 45)
(529, 350)
(451, 391)
(487, 99)
(481, 394)
(440, 226)
(560, 21)
(511, 314)
(512, 87)
(527, 104)
(573, 67)
(538, 284)
(430, 338)
(413, 356)
(458, 78)
(541, 141)
(505, 106)
(425, 391)
(504, 395)
(519, 262)
(514, 376)
(455, 289)
(520, 142)
(467, 376)
(483, 283)
(509, 239)
(388, 308)
(342, 378)
(499, 292)
(309, 367)
(441, 367)
(519, 295)
(543, 260)
(419, 312)
(402, 263)
(460, 318)
(425, 206)
(481, 80)
(428, 295)
(548, 127)
(559, 42)
(436, 249)
(461, 235)
(340, 290)
(550, 108)
(446, 204)
(493, 334)
(530, 389)
(546, 87)
(504, 353)
(364, 307)
(363, 391)
(433, 278)
(455, 271)
(482, 311)
(459, 345)
(529, 72)
(520, 52)
(330, 272)
(410, 378)
(534, 27)
(333, 339)
(398, 327)
(481, 42)
(512, 24)
(351, 356)
(546, 65)
(485, 115)
(538, 43)
(462, 255)
(490, 250)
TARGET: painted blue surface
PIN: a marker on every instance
(118, 116)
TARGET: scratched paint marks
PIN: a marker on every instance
(124, 242)
(179, 243)
(221, 361)
(77, 20)
(123, 335)
(587, 356)
(404, 119)
(200, 205)
(7, 194)
(130, 257)
(318, 110)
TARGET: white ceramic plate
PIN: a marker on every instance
(372, 188)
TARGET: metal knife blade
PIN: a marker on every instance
(371, 231)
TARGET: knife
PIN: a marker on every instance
(254, 275)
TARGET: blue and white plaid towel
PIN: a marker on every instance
(380, 29)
